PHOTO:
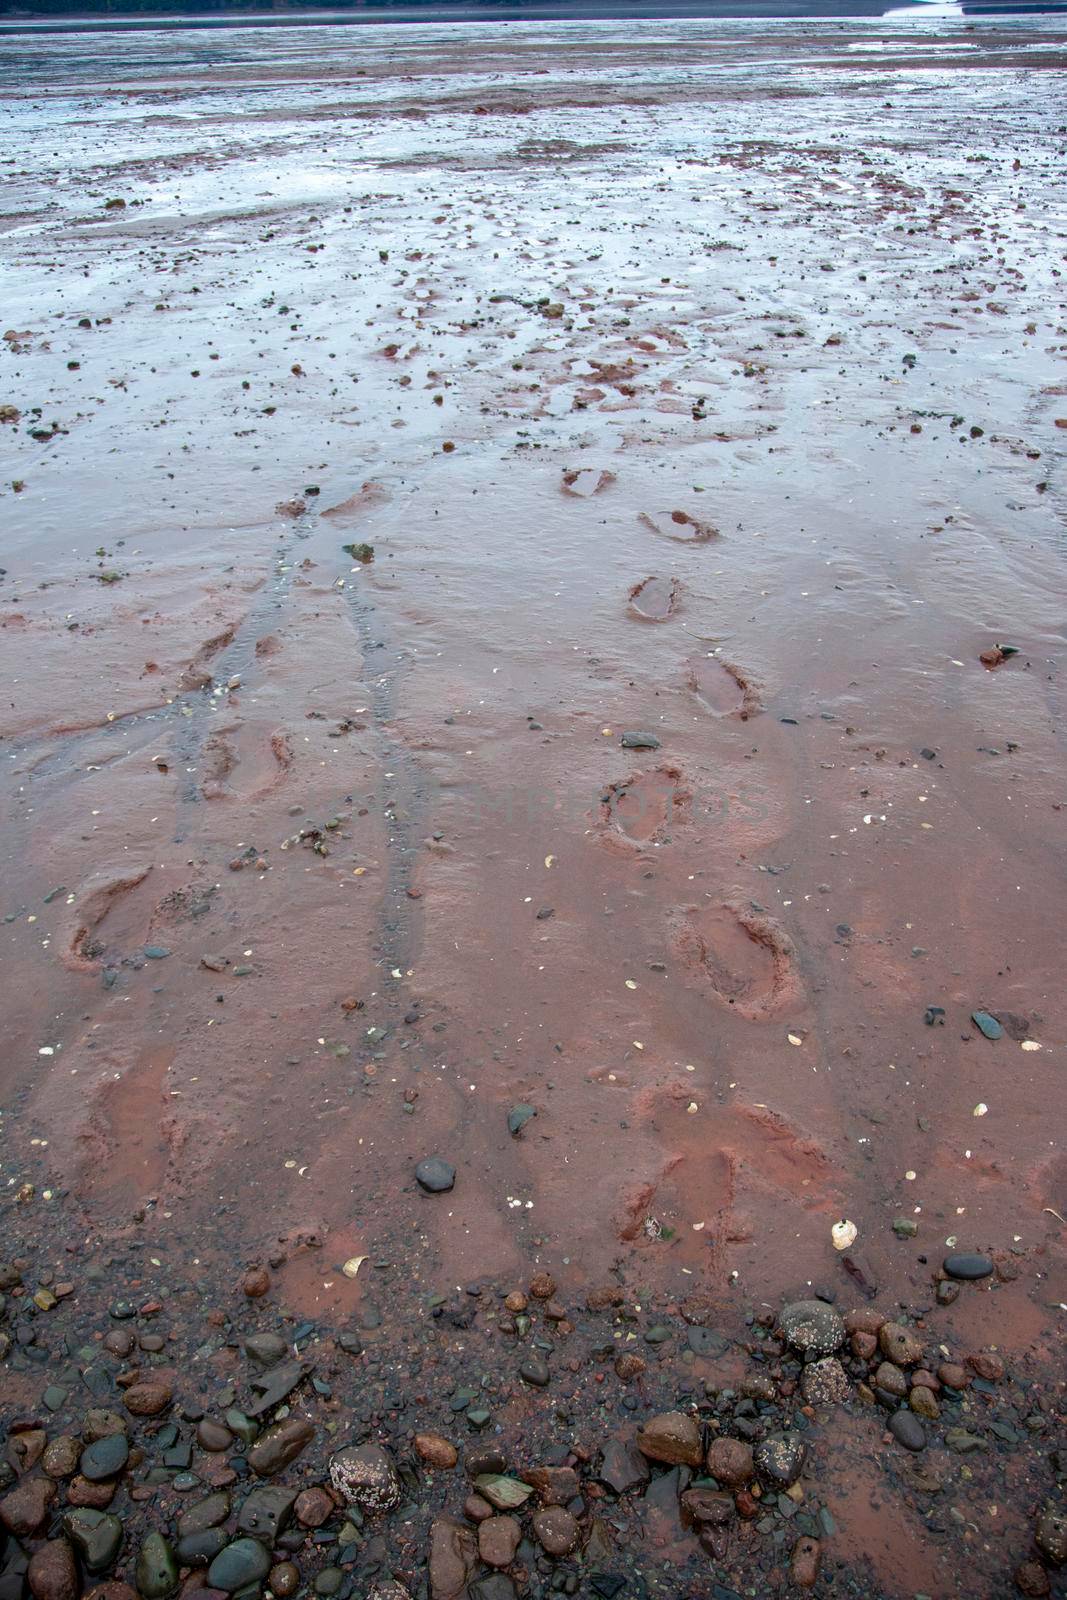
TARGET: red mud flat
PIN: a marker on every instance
(320, 860)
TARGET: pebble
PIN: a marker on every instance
(284, 1579)
(812, 1328)
(1032, 1580)
(435, 1175)
(554, 1485)
(24, 1511)
(267, 1512)
(241, 1563)
(952, 1375)
(96, 1535)
(200, 1549)
(498, 1540)
(556, 1530)
(825, 1382)
(924, 1403)
(804, 1562)
(452, 1558)
(314, 1506)
(53, 1572)
(60, 1457)
(475, 1509)
(968, 1266)
(987, 1366)
(206, 1513)
(779, 1460)
(81, 1492)
(436, 1451)
(1050, 1533)
(279, 1444)
(987, 1024)
(365, 1476)
(266, 1349)
(542, 1286)
(891, 1379)
(213, 1436)
(899, 1345)
(637, 740)
(730, 1462)
(503, 1492)
(907, 1430)
(962, 1442)
(148, 1399)
(157, 1570)
(623, 1467)
(256, 1282)
(104, 1458)
(674, 1438)
(535, 1371)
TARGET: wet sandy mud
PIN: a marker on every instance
(395, 424)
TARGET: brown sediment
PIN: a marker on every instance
(418, 803)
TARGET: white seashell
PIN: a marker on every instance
(843, 1234)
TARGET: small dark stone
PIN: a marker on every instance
(104, 1458)
(518, 1117)
(907, 1430)
(267, 1512)
(244, 1562)
(199, 1549)
(968, 1266)
(639, 741)
(435, 1175)
(535, 1371)
(157, 1570)
(987, 1024)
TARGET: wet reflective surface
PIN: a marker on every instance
(696, 380)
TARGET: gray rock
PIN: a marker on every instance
(908, 1430)
(968, 1266)
(266, 1348)
(104, 1458)
(435, 1175)
(535, 1371)
(267, 1512)
(240, 1564)
(637, 740)
(206, 1513)
(198, 1549)
(96, 1535)
(623, 1466)
(157, 1570)
(498, 1586)
(812, 1328)
(279, 1444)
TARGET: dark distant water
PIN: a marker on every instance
(48, 15)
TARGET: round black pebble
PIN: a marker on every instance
(968, 1266)
(435, 1175)
(907, 1430)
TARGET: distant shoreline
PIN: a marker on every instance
(380, 11)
